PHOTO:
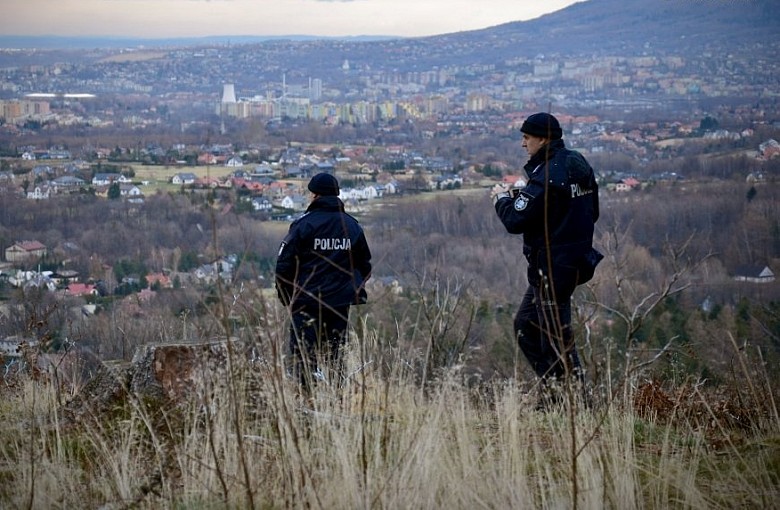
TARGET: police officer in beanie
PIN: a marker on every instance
(322, 267)
(556, 212)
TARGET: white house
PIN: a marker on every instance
(41, 192)
(222, 268)
(129, 190)
(294, 202)
(372, 192)
(350, 194)
(261, 204)
(754, 274)
(392, 188)
(449, 181)
(30, 279)
(235, 162)
(105, 179)
(367, 193)
(184, 178)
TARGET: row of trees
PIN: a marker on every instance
(460, 274)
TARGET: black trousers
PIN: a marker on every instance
(543, 329)
(317, 335)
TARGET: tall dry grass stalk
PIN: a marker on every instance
(381, 441)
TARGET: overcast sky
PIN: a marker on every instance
(175, 18)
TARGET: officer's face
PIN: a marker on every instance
(533, 143)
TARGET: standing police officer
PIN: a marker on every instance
(322, 266)
(555, 212)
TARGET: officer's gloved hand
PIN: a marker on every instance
(498, 192)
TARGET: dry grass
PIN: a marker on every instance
(164, 173)
(383, 441)
(159, 176)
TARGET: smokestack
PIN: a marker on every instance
(228, 93)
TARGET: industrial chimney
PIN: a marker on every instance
(228, 93)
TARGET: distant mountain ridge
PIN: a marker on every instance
(629, 27)
(591, 27)
(603, 26)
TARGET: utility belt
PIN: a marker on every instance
(568, 266)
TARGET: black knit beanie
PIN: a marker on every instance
(542, 125)
(324, 184)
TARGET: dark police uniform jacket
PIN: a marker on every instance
(555, 212)
(324, 259)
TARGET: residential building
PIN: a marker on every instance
(24, 251)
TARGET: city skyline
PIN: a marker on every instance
(328, 18)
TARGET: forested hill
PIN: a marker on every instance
(636, 27)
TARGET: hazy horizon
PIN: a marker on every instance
(158, 19)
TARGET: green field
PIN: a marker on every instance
(159, 176)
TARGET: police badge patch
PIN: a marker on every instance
(521, 202)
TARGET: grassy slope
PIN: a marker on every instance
(382, 442)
